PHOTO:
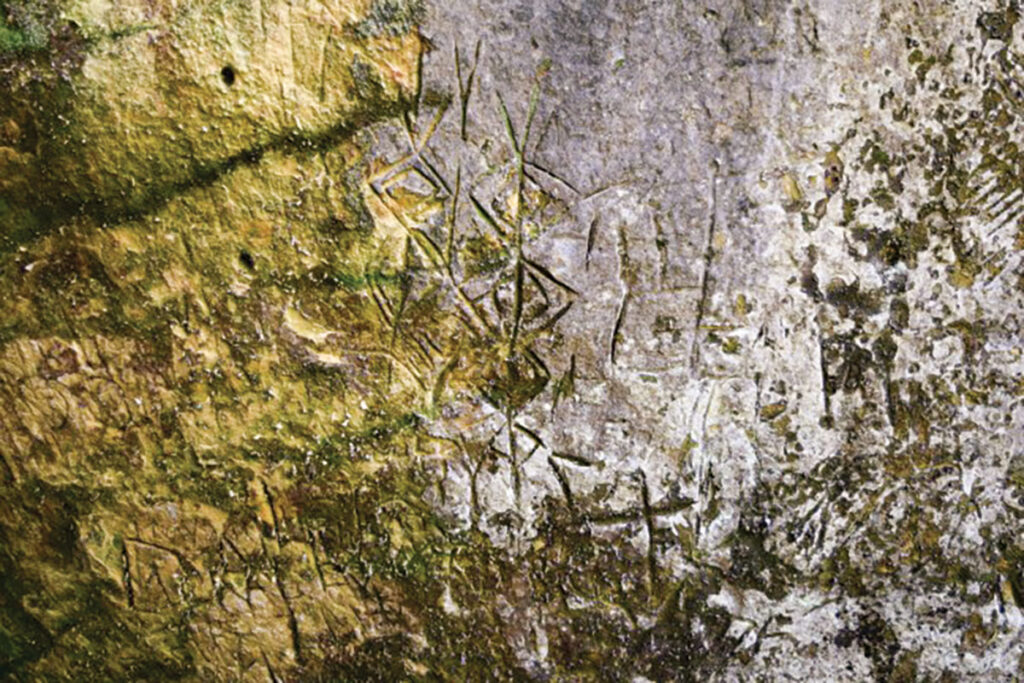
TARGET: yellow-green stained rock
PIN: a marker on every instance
(167, 94)
(201, 311)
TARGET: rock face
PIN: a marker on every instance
(614, 340)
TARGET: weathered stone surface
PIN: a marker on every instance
(796, 239)
(544, 340)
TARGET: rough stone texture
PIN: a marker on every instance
(796, 349)
(608, 340)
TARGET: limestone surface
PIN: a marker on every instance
(531, 340)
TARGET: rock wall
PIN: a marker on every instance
(611, 340)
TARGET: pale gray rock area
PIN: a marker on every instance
(805, 392)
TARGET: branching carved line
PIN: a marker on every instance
(465, 87)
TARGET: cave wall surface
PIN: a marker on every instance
(530, 340)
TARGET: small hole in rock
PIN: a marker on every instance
(247, 260)
(227, 74)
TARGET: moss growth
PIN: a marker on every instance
(26, 26)
(12, 40)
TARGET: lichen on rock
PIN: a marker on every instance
(387, 340)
